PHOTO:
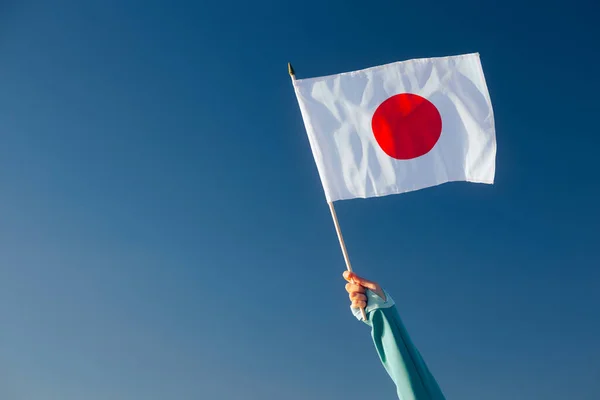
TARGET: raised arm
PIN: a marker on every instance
(397, 353)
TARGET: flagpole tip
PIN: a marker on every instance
(291, 70)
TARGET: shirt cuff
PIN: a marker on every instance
(373, 303)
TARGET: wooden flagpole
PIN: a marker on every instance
(338, 230)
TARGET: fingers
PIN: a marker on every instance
(348, 275)
(359, 304)
(357, 295)
(352, 277)
(351, 287)
(357, 282)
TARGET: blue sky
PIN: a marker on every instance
(164, 234)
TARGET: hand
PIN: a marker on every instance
(356, 288)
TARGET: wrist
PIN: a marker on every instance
(374, 302)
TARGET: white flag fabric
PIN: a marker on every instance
(400, 127)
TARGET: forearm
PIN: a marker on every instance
(397, 353)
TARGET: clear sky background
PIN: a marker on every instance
(164, 233)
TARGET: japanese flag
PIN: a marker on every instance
(400, 127)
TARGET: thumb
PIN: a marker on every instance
(353, 278)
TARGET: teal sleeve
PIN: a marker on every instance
(398, 354)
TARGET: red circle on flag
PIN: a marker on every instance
(406, 126)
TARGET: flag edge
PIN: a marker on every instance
(412, 60)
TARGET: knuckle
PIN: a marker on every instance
(358, 296)
(359, 304)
